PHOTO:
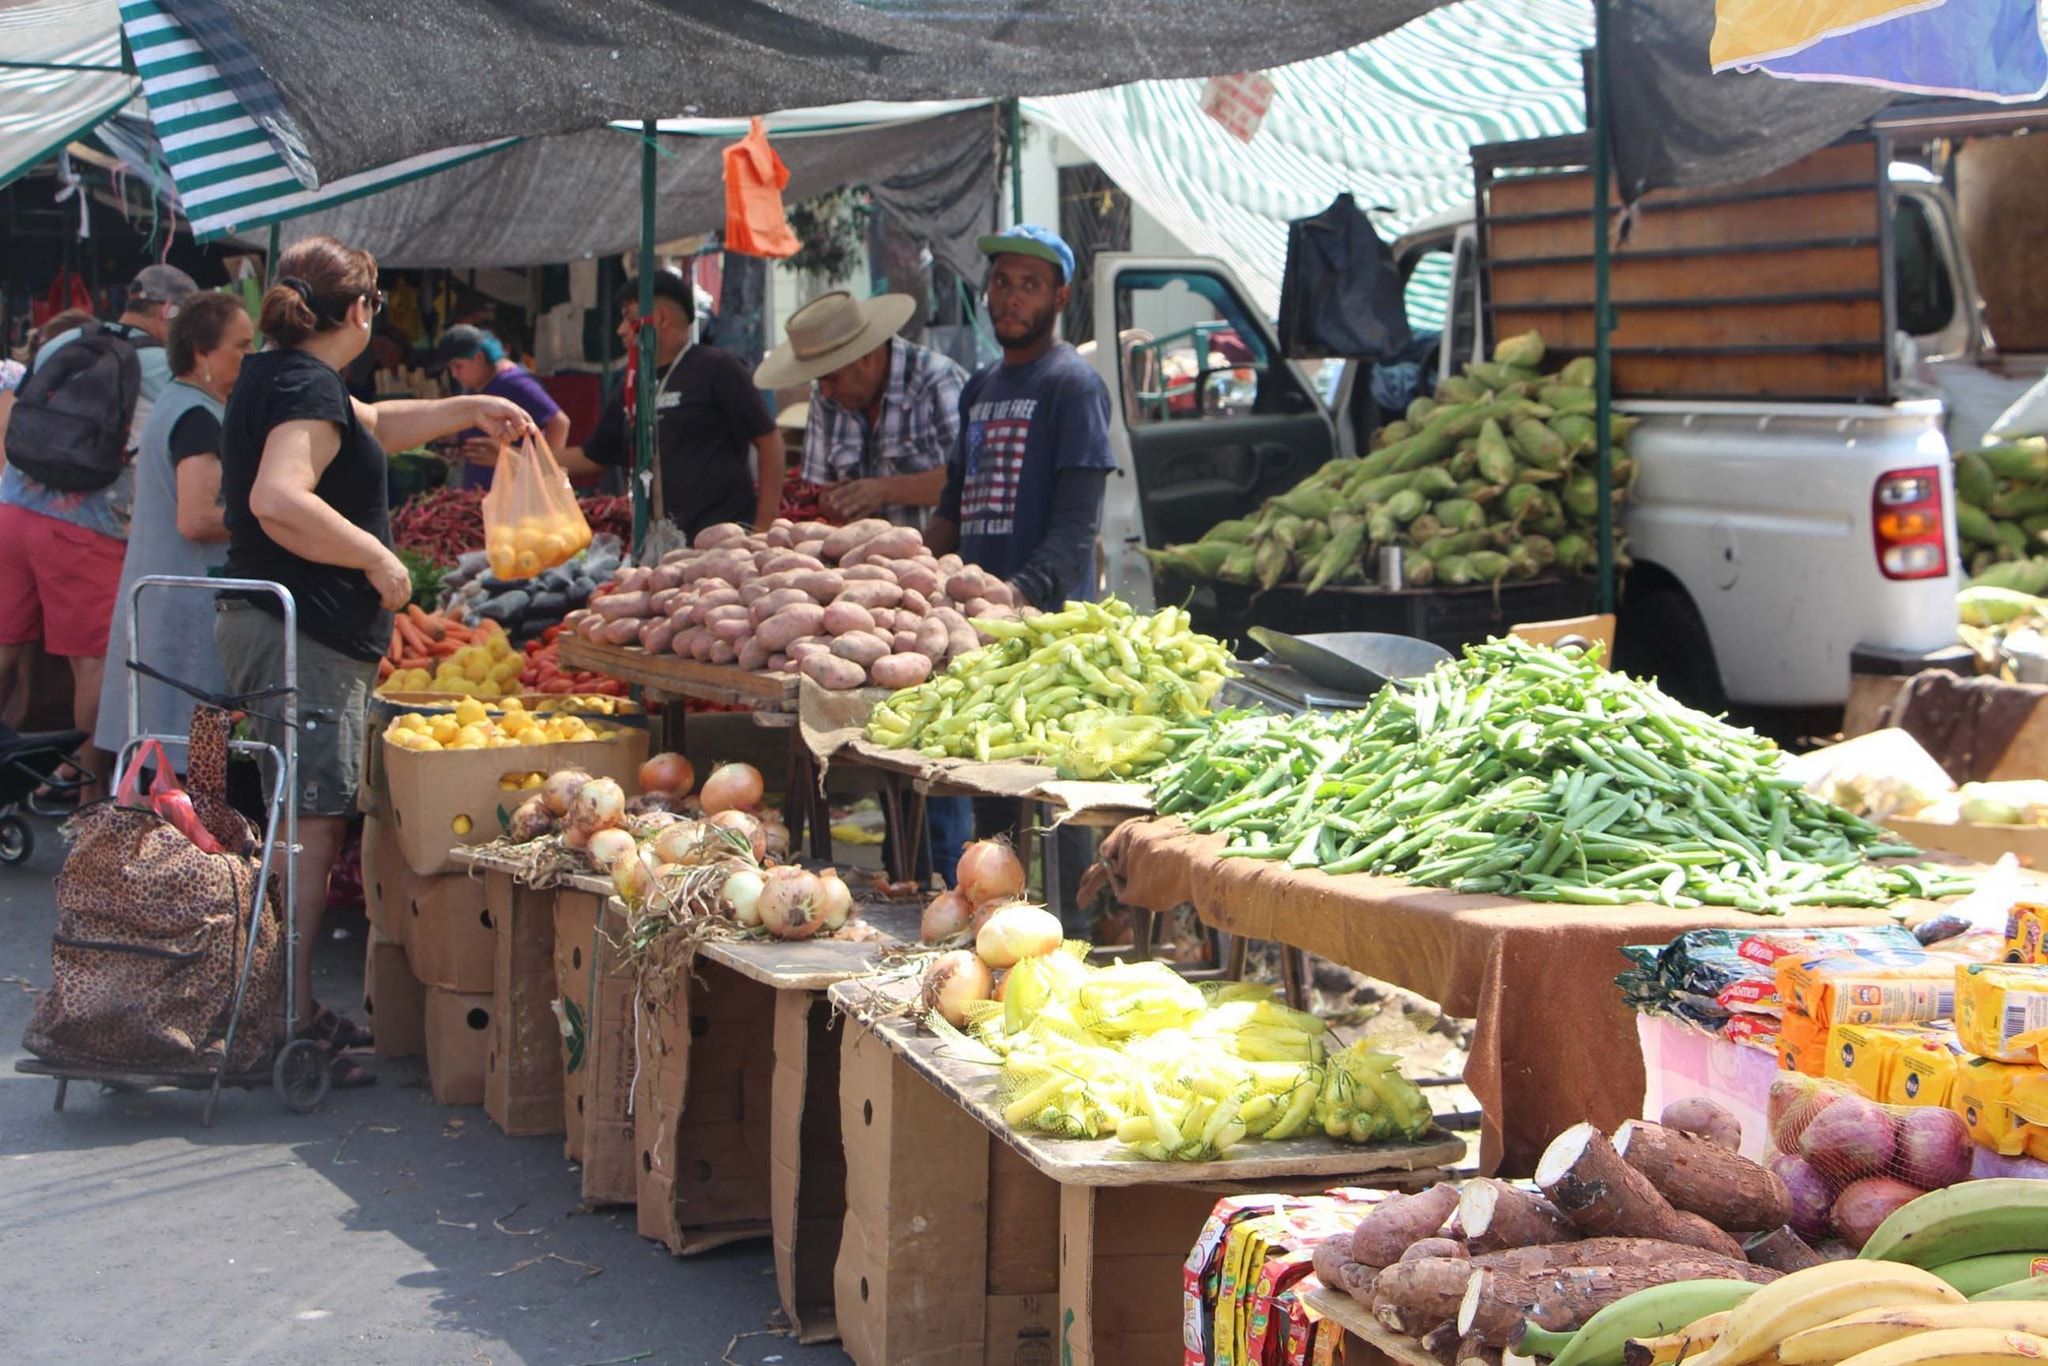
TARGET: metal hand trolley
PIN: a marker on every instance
(300, 1070)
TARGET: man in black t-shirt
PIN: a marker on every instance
(707, 414)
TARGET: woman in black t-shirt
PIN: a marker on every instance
(303, 485)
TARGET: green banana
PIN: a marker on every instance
(2002, 1214)
(1993, 1270)
(2032, 1288)
(1648, 1313)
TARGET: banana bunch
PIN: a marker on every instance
(1977, 1236)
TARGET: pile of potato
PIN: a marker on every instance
(846, 606)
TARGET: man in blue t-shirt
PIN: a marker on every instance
(1023, 496)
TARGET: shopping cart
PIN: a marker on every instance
(28, 762)
(299, 1071)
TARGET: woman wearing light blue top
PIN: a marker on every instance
(176, 526)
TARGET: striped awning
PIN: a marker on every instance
(69, 77)
(1391, 121)
(229, 176)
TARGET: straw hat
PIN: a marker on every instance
(830, 331)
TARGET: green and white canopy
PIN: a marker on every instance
(64, 77)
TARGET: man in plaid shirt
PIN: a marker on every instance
(886, 411)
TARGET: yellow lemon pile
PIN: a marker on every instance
(469, 726)
(532, 544)
(488, 669)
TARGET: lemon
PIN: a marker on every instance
(462, 825)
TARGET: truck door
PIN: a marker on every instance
(1207, 418)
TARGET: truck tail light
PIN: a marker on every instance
(1909, 524)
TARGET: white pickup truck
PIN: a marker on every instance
(1792, 522)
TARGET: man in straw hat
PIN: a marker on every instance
(885, 412)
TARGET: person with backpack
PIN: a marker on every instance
(69, 486)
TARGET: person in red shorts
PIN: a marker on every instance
(61, 551)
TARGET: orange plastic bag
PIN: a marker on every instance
(754, 181)
(531, 519)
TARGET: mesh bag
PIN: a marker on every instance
(531, 520)
(1849, 1161)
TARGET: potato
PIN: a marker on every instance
(665, 576)
(814, 531)
(901, 670)
(866, 573)
(720, 597)
(778, 663)
(871, 594)
(776, 561)
(813, 548)
(1000, 594)
(655, 635)
(919, 577)
(969, 584)
(903, 642)
(884, 618)
(685, 641)
(752, 592)
(829, 671)
(731, 628)
(775, 602)
(614, 606)
(844, 617)
(662, 601)
(753, 655)
(723, 652)
(621, 631)
(781, 534)
(724, 534)
(950, 564)
(932, 639)
(841, 541)
(700, 646)
(913, 602)
(728, 612)
(821, 584)
(725, 564)
(588, 624)
(862, 647)
(801, 650)
(894, 544)
(633, 580)
(798, 619)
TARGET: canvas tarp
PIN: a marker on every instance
(43, 108)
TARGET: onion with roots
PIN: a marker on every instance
(954, 982)
(789, 903)
(989, 870)
(606, 845)
(668, 773)
(532, 821)
(742, 892)
(732, 787)
(740, 827)
(682, 842)
(599, 805)
(577, 840)
(834, 899)
(561, 788)
(647, 824)
(1016, 932)
(775, 835)
(633, 874)
(945, 917)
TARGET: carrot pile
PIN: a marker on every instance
(543, 671)
(421, 639)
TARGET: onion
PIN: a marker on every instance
(561, 788)
(667, 773)
(600, 803)
(834, 899)
(648, 824)
(944, 918)
(776, 836)
(647, 803)
(633, 873)
(742, 892)
(606, 846)
(979, 916)
(732, 787)
(745, 827)
(1017, 932)
(532, 821)
(989, 870)
(954, 982)
(679, 843)
(788, 903)
(575, 839)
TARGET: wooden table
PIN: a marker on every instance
(1367, 1340)
(769, 699)
(1075, 1242)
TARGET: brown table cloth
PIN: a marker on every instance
(1553, 1045)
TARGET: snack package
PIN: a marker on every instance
(1862, 1056)
(1982, 1096)
(2026, 934)
(1924, 1069)
(1802, 1044)
(1266, 1328)
(1717, 978)
(2002, 1010)
(1202, 1274)
(2028, 1100)
(1872, 986)
(531, 518)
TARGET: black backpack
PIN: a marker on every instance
(69, 428)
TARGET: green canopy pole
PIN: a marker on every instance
(1014, 112)
(643, 426)
(1603, 320)
(270, 260)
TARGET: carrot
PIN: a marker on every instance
(431, 625)
(414, 642)
(416, 662)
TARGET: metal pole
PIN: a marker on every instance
(1015, 116)
(1603, 319)
(643, 434)
(270, 259)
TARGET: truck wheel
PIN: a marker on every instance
(1662, 636)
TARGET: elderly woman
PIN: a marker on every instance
(303, 477)
(177, 525)
(476, 361)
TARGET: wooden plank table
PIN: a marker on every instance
(1375, 1342)
(1074, 1241)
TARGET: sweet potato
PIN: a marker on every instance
(665, 576)
(801, 650)
(1384, 1234)
(753, 655)
(901, 671)
(919, 576)
(1436, 1247)
(781, 534)
(814, 548)
(1415, 1296)
(768, 606)
(723, 534)
(823, 585)
(719, 597)
(614, 606)
(661, 602)
(633, 580)
(731, 628)
(871, 593)
(970, 583)
(861, 647)
(893, 544)
(685, 642)
(656, 634)
(883, 617)
(830, 671)
(701, 643)
(841, 541)
(793, 621)
(914, 603)
(931, 639)
(778, 663)
(754, 590)
(1336, 1270)
(723, 652)
(844, 617)
(780, 561)
(903, 641)
(866, 573)
(620, 631)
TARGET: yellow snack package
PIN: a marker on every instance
(2002, 1010)
(1923, 1071)
(1863, 1056)
(1982, 1095)
(1869, 987)
(2028, 1100)
(1802, 1044)
(2026, 933)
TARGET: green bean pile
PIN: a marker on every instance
(1535, 773)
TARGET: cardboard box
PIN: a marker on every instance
(701, 1105)
(1022, 1330)
(394, 1001)
(597, 1044)
(441, 800)
(448, 933)
(373, 794)
(523, 1065)
(1979, 843)
(807, 1166)
(458, 1034)
(1122, 1249)
(383, 872)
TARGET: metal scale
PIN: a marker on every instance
(1338, 671)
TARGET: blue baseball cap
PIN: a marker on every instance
(1028, 239)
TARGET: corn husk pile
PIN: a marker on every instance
(2002, 513)
(1492, 479)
